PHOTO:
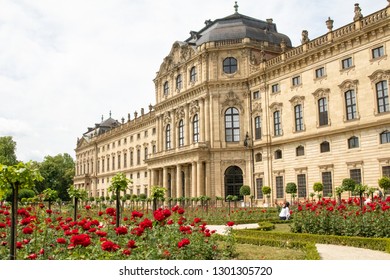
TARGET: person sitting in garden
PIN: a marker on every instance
(285, 212)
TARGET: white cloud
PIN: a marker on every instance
(65, 63)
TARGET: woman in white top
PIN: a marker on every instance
(285, 212)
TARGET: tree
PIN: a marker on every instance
(119, 184)
(244, 191)
(360, 190)
(50, 195)
(15, 177)
(339, 191)
(291, 188)
(349, 185)
(384, 184)
(318, 187)
(76, 194)
(7, 151)
(266, 190)
(157, 193)
(58, 172)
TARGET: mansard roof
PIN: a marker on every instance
(238, 26)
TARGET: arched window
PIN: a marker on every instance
(179, 82)
(168, 137)
(325, 147)
(232, 125)
(195, 129)
(193, 74)
(166, 88)
(229, 65)
(353, 142)
(233, 181)
(257, 128)
(385, 137)
(382, 96)
(300, 151)
(323, 111)
(181, 133)
(258, 157)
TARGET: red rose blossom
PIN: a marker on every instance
(109, 246)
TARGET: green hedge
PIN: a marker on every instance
(379, 244)
(308, 248)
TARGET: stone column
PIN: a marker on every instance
(193, 180)
(179, 190)
(200, 179)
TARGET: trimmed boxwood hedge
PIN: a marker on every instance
(379, 244)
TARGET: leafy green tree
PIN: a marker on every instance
(157, 193)
(291, 188)
(7, 151)
(16, 177)
(266, 190)
(339, 190)
(245, 191)
(76, 194)
(384, 184)
(119, 184)
(58, 172)
(318, 187)
(348, 185)
(50, 195)
(360, 190)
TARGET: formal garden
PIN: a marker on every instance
(42, 227)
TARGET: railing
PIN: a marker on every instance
(228, 42)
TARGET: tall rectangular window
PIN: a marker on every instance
(257, 128)
(279, 187)
(125, 160)
(298, 117)
(195, 129)
(138, 156)
(301, 179)
(131, 158)
(119, 161)
(113, 163)
(350, 104)
(327, 183)
(277, 124)
(356, 175)
(181, 133)
(103, 165)
(323, 111)
(382, 96)
(259, 188)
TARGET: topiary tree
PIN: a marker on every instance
(384, 184)
(76, 194)
(360, 190)
(244, 191)
(318, 187)
(119, 183)
(266, 192)
(339, 190)
(291, 188)
(349, 185)
(50, 195)
(16, 177)
(157, 193)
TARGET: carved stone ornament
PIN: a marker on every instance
(257, 110)
(295, 100)
(379, 75)
(255, 57)
(348, 85)
(167, 118)
(321, 92)
(232, 100)
(194, 107)
(276, 106)
(180, 114)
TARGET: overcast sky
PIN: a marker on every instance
(64, 64)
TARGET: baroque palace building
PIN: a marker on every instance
(237, 104)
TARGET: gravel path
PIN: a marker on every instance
(326, 251)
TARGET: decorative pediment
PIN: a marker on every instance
(232, 100)
(348, 85)
(321, 92)
(83, 142)
(380, 75)
(276, 106)
(257, 110)
(194, 107)
(295, 100)
(180, 114)
(180, 53)
(167, 118)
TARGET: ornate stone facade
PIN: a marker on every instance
(233, 111)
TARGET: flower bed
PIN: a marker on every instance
(167, 234)
(347, 218)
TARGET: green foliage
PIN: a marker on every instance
(245, 190)
(77, 193)
(291, 188)
(266, 226)
(339, 190)
(50, 194)
(348, 184)
(360, 189)
(384, 183)
(119, 182)
(158, 192)
(20, 175)
(266, 190)
(26, 193)
(7, 151)
(58, 172)
(318, 187)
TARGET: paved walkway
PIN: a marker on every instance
(326, 251)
